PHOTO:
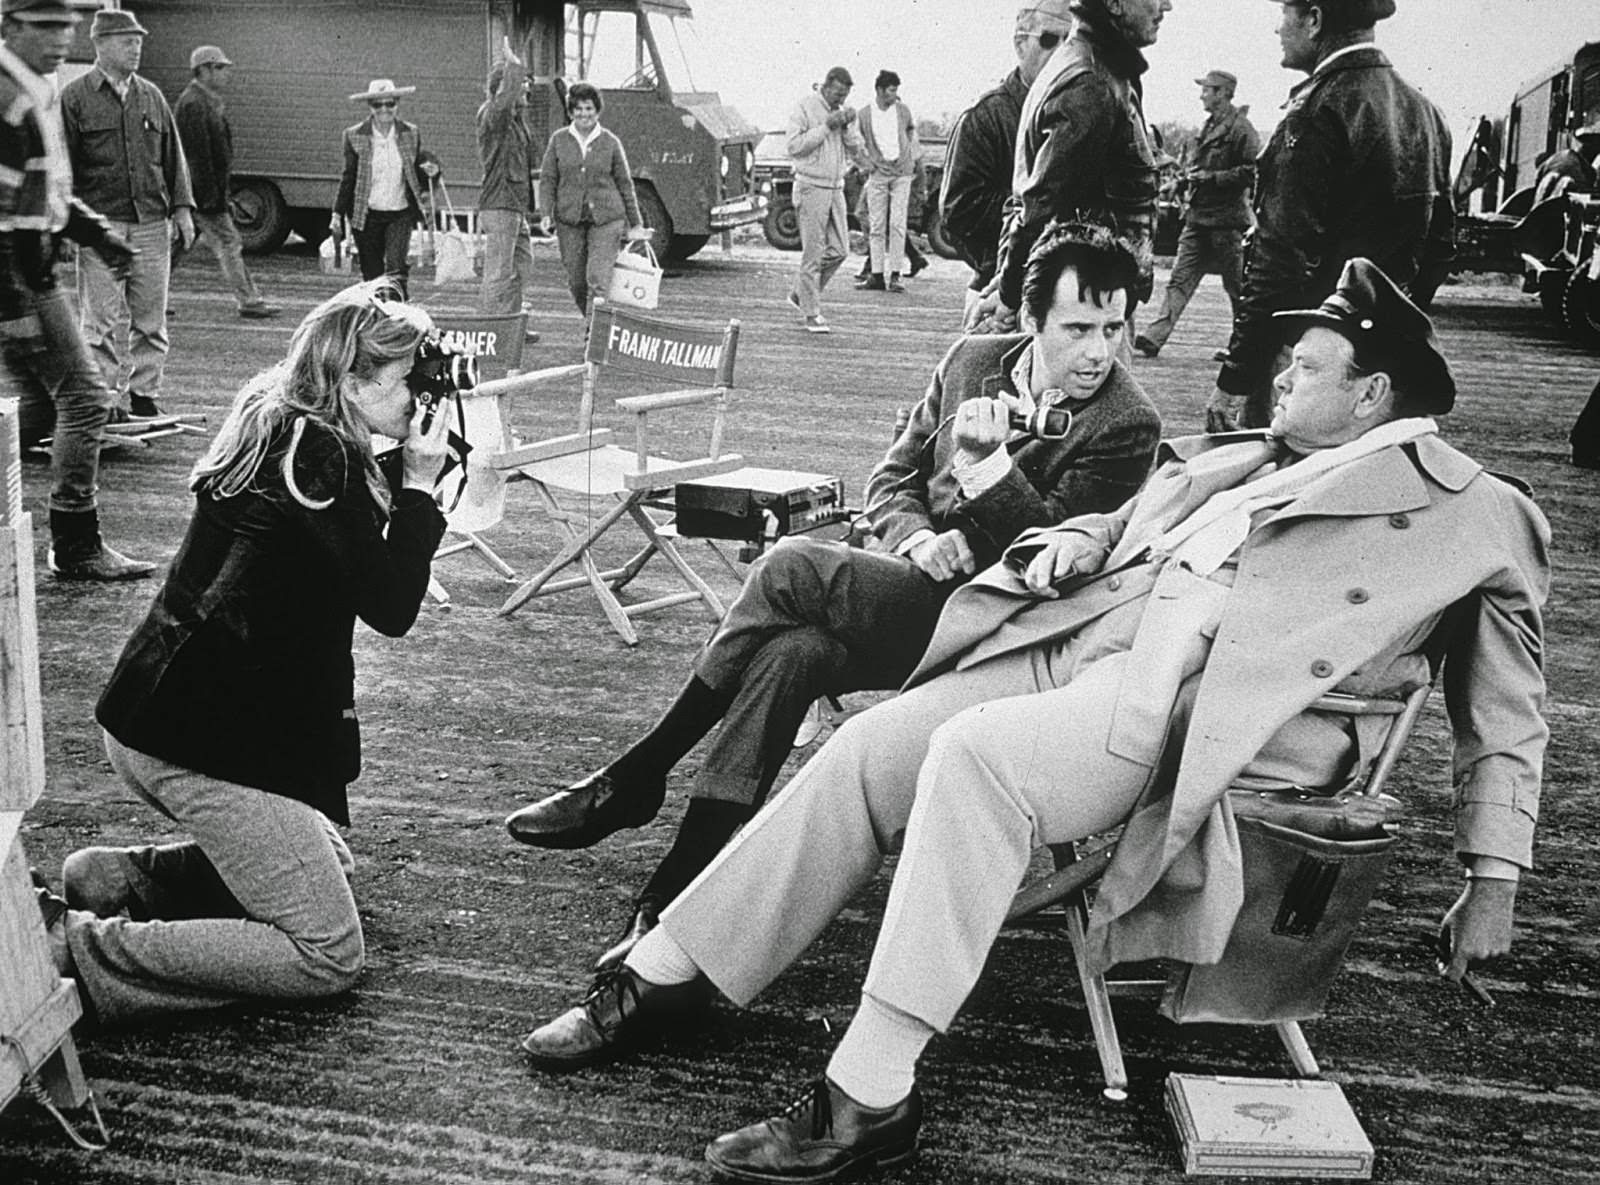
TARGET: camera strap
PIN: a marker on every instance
(457, 447)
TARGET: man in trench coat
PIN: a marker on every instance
(1132, 666)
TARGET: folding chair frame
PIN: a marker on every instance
(643, 488)
(1076, 873)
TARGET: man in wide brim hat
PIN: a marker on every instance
(382, 88)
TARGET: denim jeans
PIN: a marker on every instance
(259, 907)
(59, 391)
(507, 261)
(134, 309)
(218, 231)
(589, 252)
(887, 201)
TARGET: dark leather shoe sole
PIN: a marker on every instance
(869, 1162)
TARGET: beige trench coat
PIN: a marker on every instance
(1362, 558)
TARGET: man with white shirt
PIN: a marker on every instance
(1359, 165)
(819, 618)
(1127, 668)
(889, 142)
(128, 166)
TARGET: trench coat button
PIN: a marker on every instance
(1114, 583)
(1399, 521)
(1321, 669)
(1357, 596)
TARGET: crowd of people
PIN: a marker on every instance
(1074, 611)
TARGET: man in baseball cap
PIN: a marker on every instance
(207, 138)
(139, 180)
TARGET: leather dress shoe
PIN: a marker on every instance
(586, 812)
(620, 1010)
(1145, 346)
(53, 910)
(644, 921)
(873, 283)
(822, 1136)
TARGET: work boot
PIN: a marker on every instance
(78, 553)
(894, 283)
(873, 283)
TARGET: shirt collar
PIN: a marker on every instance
(1340, 53)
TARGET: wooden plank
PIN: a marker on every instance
(666, 399)
(27, 976)
(44, 1034)
(21, 708)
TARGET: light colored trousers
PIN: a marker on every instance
(887, 201)
(824, 241)
(222, 236)
(589, 252)
(257, 907)
(507, 262)
(134, 310)
(976, 769)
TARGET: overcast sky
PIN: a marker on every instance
(1468, 56)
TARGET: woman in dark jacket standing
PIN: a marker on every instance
(232, 711)
(586, 192)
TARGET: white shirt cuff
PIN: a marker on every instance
(979, 474)
(913, 539)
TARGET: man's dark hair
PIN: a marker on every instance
(584, 92)
(1343, 18)
(886, 78)
(1104, 264)
(839, 74)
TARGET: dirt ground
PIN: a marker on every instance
(416, 1076)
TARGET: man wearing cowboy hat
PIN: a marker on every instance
(380, 192)
(1359, 165)
(208, 144)
(41, 350)
(128, 165)
(1129, 666)
(1219, 179)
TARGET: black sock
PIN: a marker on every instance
(694, 713)
(707, 826)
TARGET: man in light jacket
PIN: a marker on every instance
(889, 140)
(822, 133)
(1129, 667)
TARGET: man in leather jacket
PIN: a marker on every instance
(1359, 166)
(978, 159)
(1083, 148)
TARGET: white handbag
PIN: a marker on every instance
(636, 276)
(452, 246)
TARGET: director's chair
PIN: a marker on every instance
(496, 343)
(588, 484)
(1336, 841)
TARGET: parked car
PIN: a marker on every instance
(775, 182)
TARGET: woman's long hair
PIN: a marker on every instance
(352, 333)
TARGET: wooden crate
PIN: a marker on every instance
(21, 711)
(37, 1008)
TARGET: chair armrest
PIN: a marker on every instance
(639, 404)
(556, 446)
(661, 476)
(516, 384)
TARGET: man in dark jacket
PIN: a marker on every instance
(1219, 179)
(1358, 166)
(978, 158)
(208, 143)
(1083, 149)
(43, 355)
(956, 488)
